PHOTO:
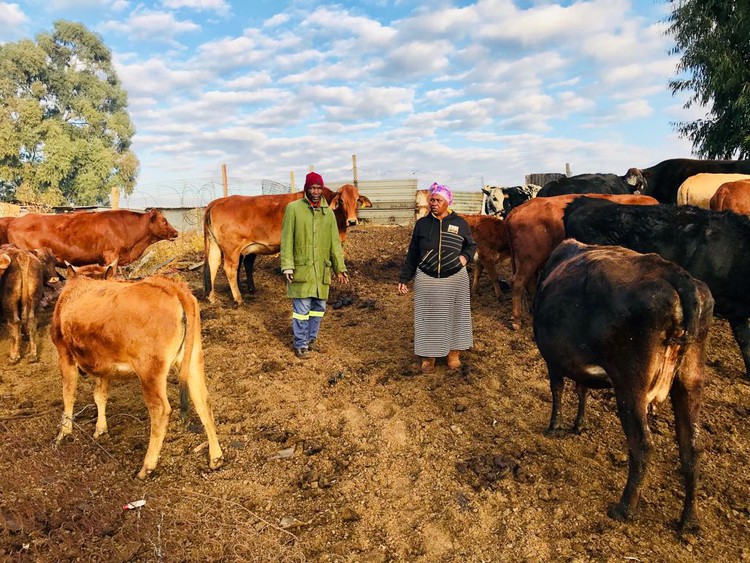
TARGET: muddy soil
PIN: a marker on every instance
(353, 455)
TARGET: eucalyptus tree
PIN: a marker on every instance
(65, 132)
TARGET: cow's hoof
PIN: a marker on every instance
(515, 326)
(99, 434)
(216, 463)
(555, 432)
(14, 360)
(618, 512)
(32, 359)
(143, 473)
(689, 525)
(578, 430)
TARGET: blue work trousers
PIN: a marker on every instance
(306, 316)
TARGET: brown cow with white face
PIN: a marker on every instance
(92, 237)
(112, 329)
(237, 226)
(21, 290)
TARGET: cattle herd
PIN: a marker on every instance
(625, 302)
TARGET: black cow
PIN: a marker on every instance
(500, 201)
(711, 245)
(611, 317)
(664, 179)
(592, 184)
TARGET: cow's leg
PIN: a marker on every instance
(580, 423)
(478, 267)
(686, 403)
(69, 373)
(101, 392)
(491, 267)
(201, 401)
(231, 263)
(557, 386)
(741, 331)
(32, 325)
(248, 261)
(518, 286)
(14, 328)
(211, 268)
(154, 386)
(632, 412)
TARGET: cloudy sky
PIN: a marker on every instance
(489, 88)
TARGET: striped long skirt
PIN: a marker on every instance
(442, 314)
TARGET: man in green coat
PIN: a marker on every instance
(310, 253)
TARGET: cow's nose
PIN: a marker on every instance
(352, 222)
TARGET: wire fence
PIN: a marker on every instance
(198, 192)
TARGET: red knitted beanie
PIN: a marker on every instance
(313, 178)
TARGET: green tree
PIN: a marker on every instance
(65, 132)
(713, 39)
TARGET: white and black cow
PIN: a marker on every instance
(606, 316)
(500, 200)
(711, 245)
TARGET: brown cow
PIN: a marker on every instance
(92, 237)
(21, 291)
(110, 329)
(732, 196)
(534, 229)
(239, 225)
(492, 247)
(606, 316)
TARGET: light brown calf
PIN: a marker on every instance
(110, 329)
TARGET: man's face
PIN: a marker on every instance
(314, 192)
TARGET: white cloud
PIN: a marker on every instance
(11, 16)
(152, 25)
(218, 6)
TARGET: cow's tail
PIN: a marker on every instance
(192, 335)
(720, 196)
(695, 303)
(27, 300)
(209, 239)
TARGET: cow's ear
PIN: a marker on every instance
(646, 173)
(4, 261)
(111, 269)
(364, 201)
(335, 202)
(485, 191)
(153, 214)
(70, 270)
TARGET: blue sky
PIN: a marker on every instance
(489, 88)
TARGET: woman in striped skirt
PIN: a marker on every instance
(441, 246)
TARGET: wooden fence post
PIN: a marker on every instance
(291, 181)
(224, 183)
(354, 170)
(115, 198)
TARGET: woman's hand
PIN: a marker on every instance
(462, 258)
(402, 289)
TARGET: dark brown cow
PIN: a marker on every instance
(611, 317)
(492, 248)
(21, 290)
(239, 225)
(92, 237)
(4, 222)
(111, 329)
(535, 228)
(732, 196)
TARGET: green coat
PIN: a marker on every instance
(310, 246)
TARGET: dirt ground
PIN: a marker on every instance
(354, 455)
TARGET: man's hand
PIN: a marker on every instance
(402, 288)
(289, 275)
(343, 277)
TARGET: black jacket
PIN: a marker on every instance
(436, 245)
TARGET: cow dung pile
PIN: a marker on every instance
(354, 455)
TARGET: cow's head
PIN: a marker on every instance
(159, 227)
(636, 178)
(93, 271)
(348, 200)
(48, 260)
(493, 203)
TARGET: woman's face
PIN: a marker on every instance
(438, 205)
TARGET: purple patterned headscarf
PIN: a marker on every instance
(443, 191)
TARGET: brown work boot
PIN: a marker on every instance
(454, 359)
(428, 365)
